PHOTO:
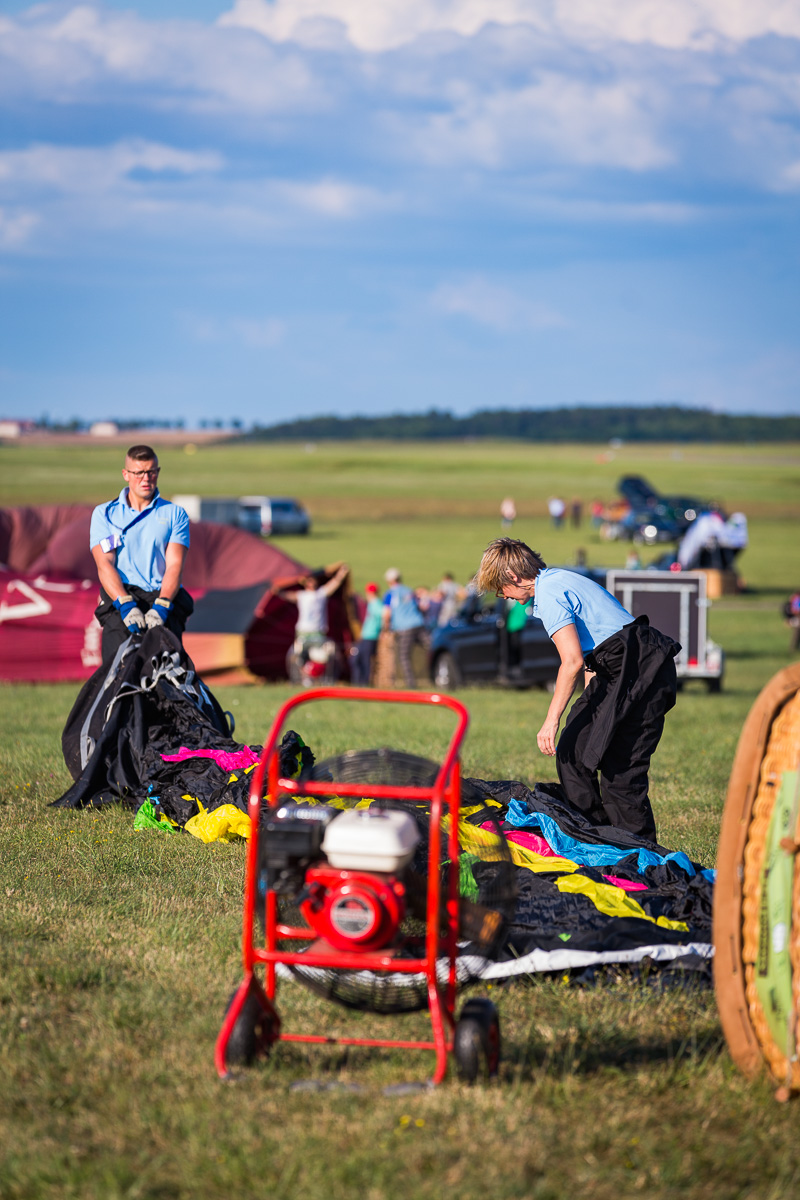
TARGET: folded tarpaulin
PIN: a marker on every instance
(149, 700)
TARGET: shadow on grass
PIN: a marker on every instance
(584, 1056)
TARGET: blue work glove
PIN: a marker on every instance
(158, 613)
(129, 610)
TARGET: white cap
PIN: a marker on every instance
(392, 575)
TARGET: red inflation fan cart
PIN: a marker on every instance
(372, 891)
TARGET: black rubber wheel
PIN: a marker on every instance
(250, 1035)
(714, 685)
(446, 673)
(476, 1044)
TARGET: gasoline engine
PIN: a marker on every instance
(347, 872)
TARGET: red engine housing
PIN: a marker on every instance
(353, 910)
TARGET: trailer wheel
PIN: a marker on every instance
(714, 685)
(251, 1035)
(476, 1045)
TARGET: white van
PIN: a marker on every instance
(272, 514)
(225, 511)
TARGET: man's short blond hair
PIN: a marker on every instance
(503, 559)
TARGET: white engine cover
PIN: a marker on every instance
(371, 839)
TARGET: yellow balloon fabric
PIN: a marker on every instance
(613, 901)
(220, 825)
(473, 839)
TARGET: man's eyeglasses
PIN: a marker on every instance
(153, 474)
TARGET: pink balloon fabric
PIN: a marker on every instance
(536, 843)
(228, 761)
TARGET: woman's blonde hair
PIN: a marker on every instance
(504, 558)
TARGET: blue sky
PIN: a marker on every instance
(266, 210)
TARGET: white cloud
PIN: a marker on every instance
(257, 333)
(570, 120)
(16, 227)
(148, 185)
(494, 306)
(514, 97)
(260, 334)
(333, 198)
(386, 24)
(790, 177)
(67, 54)
(589, 211)
(98, 169)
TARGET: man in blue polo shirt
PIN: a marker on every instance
(401, 614)
(629, 672)
(139, 543)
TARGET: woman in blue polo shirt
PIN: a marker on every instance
(139, 543)
(629, 672)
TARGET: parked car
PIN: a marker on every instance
(474, 648)
(670, 510)
(268, 515)
(257, 514)
(648, 527)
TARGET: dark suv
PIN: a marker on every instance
(476, 648)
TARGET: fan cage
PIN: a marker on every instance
(487, 882)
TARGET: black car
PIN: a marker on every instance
(648, 526)
(666, 512)
(475, 647)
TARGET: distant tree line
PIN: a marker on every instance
(666, 423)
(131, 425)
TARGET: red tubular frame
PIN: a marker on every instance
(446, 791)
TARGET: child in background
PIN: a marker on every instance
(364, 649)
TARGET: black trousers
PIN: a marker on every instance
(115, 631)
(361, 661)
(620, 795)
(405, 641)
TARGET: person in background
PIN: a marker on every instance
(430, 605)
(629, 671)
(402, 616)
(508, 513)
(597, 514)
(139, 543)
(791, 615)
(364, 649)
(514, 617)
(312, 608)
(576, 512)
(556, 508)
(451, 593)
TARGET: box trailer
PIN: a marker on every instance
(676, 603)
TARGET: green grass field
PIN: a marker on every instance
(119, 950)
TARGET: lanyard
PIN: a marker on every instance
(117, 540)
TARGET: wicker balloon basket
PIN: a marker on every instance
(757, 893)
